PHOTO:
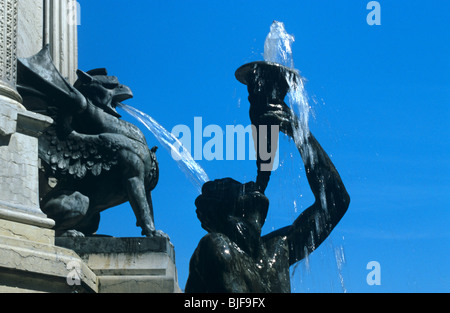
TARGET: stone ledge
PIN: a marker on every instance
(25, 215)
(16, 119)
(128, 265)
(101, 245)
(26, 232)
(26, 265)
(32, 124)
(136, 284)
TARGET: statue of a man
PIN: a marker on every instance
(233, 257)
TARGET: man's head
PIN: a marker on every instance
(224, 203)
(104, 91)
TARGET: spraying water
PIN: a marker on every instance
(179, 153)
(278, 49)
(278, 46)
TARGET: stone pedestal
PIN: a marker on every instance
(128, 265)
(19, 189)
(30, 262)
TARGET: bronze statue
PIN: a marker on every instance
(233, 257)
(91, 160)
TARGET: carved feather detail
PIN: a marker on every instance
(76, 155)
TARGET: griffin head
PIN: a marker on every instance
(104, 91)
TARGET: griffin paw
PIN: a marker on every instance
(156, 233)
(72, 234)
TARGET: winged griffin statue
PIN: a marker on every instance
(91, 160)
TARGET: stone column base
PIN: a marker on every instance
(128, 265)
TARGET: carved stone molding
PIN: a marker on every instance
(8, 49)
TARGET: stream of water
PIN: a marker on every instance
(179, 153)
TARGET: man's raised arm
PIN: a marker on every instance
(314, 224)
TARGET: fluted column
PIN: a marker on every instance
(60, 32)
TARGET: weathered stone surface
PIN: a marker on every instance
(19, 172)
(32, 266)
(19, 182)
(26, 232)
(51, 22)
(8, 119)
(98, 245)
(30, 27)
(137, 284)
(128, 265)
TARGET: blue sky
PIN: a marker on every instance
(380, 96)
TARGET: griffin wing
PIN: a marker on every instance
(76, 155)
(43, 89)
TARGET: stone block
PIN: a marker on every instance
(19, 176)
(30, 266)
(128, 265)
(8, 119)
(26, 232)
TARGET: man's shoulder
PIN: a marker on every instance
(215, 240)
(217, 246)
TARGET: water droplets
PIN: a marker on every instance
(340, 262)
